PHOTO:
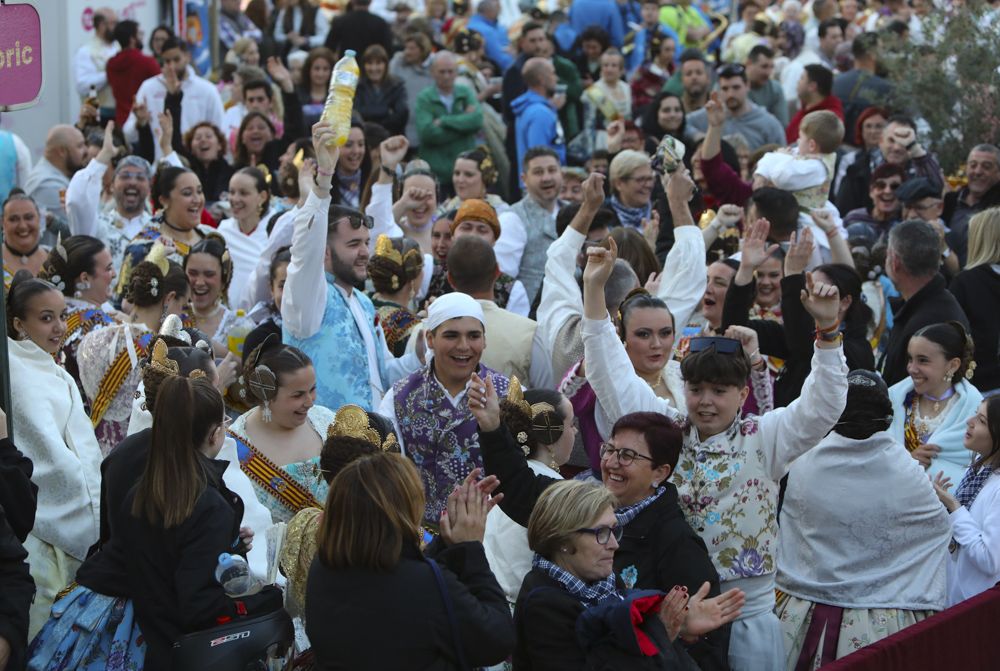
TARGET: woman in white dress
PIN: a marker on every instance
(246, 238)
(109, 358)
(52, 429)
(209, 268)
(930, 406)
(279, 441)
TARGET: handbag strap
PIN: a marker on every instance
(449, 610)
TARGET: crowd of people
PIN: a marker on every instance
(633, 335)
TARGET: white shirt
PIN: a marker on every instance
(90, 69)
(245, 250)
(258, 286)
(321, 25)
(231, 120)
(201, 102)
(510, 246)
(975, 566)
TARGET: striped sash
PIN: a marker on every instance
(115, 376)
(289, 492)
(84, 321)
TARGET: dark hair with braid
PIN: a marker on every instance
(141, 289)
(80, 252)
(339, 451)
(540, 429)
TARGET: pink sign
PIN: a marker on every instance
(20, 56)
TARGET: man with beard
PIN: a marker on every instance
(323, 312)
(982, 192)
(429, 409)
(691, 81)
(748, 119)
(65, 153)
(116, 225)
(91, 61)
(189, 98)
(523, 241)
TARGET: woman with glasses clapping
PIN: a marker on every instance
(657, 548)
(574, 531)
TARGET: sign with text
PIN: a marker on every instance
(20, 56)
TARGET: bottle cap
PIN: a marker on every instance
(225, 558)
(241, 313)
(350, 53)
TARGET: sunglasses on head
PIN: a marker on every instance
(719, 344)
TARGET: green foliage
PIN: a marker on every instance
(951, 81)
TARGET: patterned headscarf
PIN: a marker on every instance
(795, 37)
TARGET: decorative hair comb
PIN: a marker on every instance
(161, 362)
(352, 422)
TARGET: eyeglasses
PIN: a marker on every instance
(881, 185)
(645, 179)
(721, 345)
(603, 534)
(625, 455)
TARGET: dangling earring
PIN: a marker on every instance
(83, 286)
(553, 464)
(22, 334)
(948, 376)
(266, 415)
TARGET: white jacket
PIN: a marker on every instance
(52, 429)
(975, 566)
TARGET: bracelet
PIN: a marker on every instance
(323, 173)
(390, 173)
(835, 338)
(829, 329)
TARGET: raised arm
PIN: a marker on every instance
(502, 457)
(789, 432)
(83, 195)
(683, 284)
(610, 373)
(561, 299)
(380, 208)
(304, 299)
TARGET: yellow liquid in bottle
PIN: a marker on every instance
(340, 101)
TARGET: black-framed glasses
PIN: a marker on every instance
(625, 455)
(721, 345)
(604, 534)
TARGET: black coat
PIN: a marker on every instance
(658, 544)
(556, 632)
(171, 572)
(105, 570)
(358, 619)
(793, 340)
(978, 293)
(930, 305)
(385, 105)
(957, 214)
(18, 498)
(358, 29)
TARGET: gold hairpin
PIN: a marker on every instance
(515, 396)
(197, 373)
(300, 159)
(158, 257)
(161, 361)
(352, 422)
(384, 248)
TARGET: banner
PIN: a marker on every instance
(198, 33)
(20, 56)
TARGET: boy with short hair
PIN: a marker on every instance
(730, 465)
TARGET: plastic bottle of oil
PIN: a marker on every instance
(340, 101)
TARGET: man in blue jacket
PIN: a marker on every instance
(494, 35)
(535, 117)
